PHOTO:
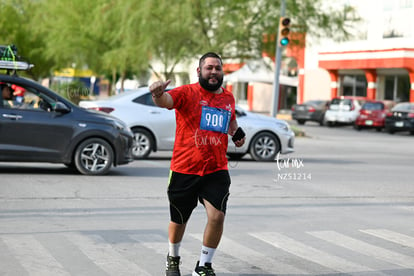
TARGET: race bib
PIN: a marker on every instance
(215, 119)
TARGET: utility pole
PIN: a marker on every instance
(275, 100)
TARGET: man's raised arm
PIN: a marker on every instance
(159, 96)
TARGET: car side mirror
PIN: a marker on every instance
(61, 108)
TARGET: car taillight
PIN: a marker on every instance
(389, 114)
(311, 109)
(103, 109)
(410, 115)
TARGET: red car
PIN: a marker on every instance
(372, 114)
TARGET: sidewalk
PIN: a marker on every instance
(284, 114)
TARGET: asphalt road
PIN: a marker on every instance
(342, 204)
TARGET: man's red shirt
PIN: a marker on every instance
(202, 121)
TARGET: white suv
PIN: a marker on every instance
(343, 110)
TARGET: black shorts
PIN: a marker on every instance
(184, 190)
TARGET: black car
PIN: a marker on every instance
(310, 111)
(401, 118)
(38, 125)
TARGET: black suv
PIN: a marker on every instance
(38, 125)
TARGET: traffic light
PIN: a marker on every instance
(284, 31)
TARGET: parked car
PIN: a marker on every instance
(265, 137)
(313, 110)
(42, 126)
(154, 127)
(372, 114)
(400, 118)
(343, 110)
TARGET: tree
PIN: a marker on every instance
(18, 25)
(236, 29)
(103, 35)
(117, 38)
(168, 28)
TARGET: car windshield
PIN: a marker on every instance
(120, 95)
(403, 107)
(341, 102)
(373, 106)
(240, 112)
(314, 102)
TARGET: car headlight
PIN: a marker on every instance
(284, 126)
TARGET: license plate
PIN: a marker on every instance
(369, 122)
(399, 124)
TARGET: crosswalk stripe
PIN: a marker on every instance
(253, 257)
(34, 253)
(188, 259)
(104, 255)
(365, 248)
(309, 253)
(391, 236)
(160, 246)
(407, 208)
(33, 256)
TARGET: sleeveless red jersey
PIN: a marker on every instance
(202, 122)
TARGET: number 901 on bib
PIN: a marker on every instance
(215, 119)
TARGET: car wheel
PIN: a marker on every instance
(378, 129)
(94, 156)
(143, 143)
(301, 122)
(235, 156)
(264, 147)
(390, 131)
(322, 122)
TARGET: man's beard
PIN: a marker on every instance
(210, 87)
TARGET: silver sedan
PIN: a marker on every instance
(154, 127)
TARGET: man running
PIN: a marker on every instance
(205, 115)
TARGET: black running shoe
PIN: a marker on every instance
(205, 270)
(173, 266)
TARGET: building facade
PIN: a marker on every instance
(378, 63)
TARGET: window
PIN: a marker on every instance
(373, 106)
(397, 88)
(389, 5)
(353, 85)
(342, 102)
(145, 99)
(406, 4)
(26, 98)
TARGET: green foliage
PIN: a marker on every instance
(18, 27)
(297, 130)
(123, 37)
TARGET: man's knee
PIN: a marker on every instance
(217, 217)
(214, 215)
